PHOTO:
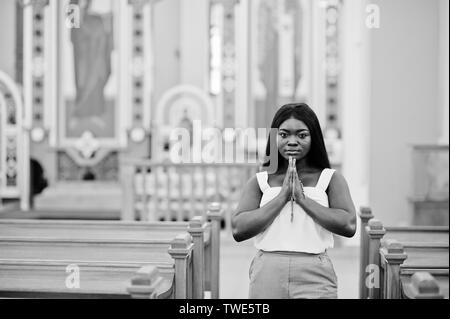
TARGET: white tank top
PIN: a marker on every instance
(302, 234)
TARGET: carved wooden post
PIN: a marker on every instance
(181, 252)
(375, 232)
(208, 258)
(365, 215)
(197, 229)
(215, 215)
(394, 255)
(423, 286)
(127, 181)
(145, 284)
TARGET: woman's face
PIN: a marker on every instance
(294, 139)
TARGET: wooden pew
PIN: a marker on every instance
(423, 285)
(399, 262)
(205, 235)
(365, 215)
(418, 253)
(47, 278)
(372, 231)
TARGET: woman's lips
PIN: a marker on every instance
(292, 152)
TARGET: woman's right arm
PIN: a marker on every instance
(249, 219)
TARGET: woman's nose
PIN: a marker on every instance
(292, 142)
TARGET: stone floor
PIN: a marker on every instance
(236, 258)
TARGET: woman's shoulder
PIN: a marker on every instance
(337, 179)
(252, 182)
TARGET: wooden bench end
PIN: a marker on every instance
(422, 286)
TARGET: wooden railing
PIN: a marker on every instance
(177, 192)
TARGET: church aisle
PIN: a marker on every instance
(236, 258)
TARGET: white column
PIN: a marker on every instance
(318, 59)
(356, 102)
(303, 89)
(194, 43)
(242, 26)
(443, 70)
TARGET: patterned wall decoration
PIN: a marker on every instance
(141, 55)
(104, 170)
(11, 161)
(333, 125)
(332, 64)
(228, 60)
(137, 56)
(9, 126)
(38, 58)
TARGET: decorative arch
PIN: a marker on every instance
(171, 109)
(188, 93)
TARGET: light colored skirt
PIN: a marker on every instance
(282, 275)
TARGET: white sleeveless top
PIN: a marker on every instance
(302, 234)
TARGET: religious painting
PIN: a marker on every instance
(88, 65)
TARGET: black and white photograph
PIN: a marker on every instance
(230, 150)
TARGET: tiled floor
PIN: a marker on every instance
(236, 258)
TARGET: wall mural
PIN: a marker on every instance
(89, 76)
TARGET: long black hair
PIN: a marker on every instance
(317, 155)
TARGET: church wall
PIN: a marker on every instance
(7, 36)
(404, 103)
(443, 70)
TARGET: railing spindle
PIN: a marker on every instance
(180, 195)
(144, 213)
(192, 213)
(169, 190)
(204, 185)
(155, 196)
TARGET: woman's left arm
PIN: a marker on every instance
(340, 217)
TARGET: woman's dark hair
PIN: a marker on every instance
(317, 155)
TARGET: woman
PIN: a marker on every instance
(292, 242)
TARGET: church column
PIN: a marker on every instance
(141, 46)
(38, 74)
(228, 96)
(356, 101)
(243, 70)
(35, 75)
(318, 42)
(194, 43)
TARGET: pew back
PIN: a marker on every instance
(25, 278)
(398, 260)
(371, 234)
(175, 253)
(111, 241)
(418, 234)
(424, 285)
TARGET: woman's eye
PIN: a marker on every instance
(302, 136)
(283, 135)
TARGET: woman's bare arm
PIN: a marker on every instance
(249, 219)
(340, 217)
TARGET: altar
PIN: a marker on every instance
(107, 80)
